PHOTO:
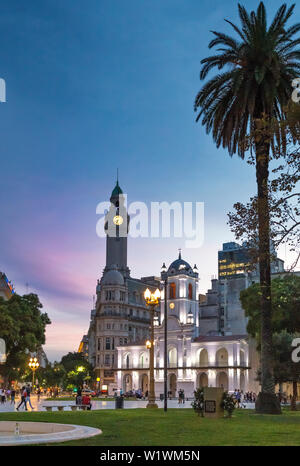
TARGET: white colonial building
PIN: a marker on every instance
(194, 359)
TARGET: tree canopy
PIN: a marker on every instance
(285, 295)
(23, 326)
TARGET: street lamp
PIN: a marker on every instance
(152, 300)
(33, 364)
(164, 276)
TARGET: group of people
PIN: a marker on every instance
(242, 398)
(7, 395)
(82, 399)
(25, 398)
(139, 394)
(283, 398)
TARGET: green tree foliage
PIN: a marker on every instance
(53, 375)
(285, 325)
(77, 370)
(23, 328)
(285, 293)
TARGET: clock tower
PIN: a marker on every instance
(116, 229)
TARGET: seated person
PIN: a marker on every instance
(86, 401)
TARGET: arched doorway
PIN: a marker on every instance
(222, 357)
(127, 383)
(172, 357)
(203, 358)
(143, 360)
(144, 383)
(222, 380)
(202, 380)
(172, 385)
(127, 360)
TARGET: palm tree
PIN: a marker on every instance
(255, 85)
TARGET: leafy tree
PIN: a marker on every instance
(255, 86)
(78, 370)
(285, 325)
(285, 295)
(284, 198)
(53, 374)
(72, 360)
(286, 370)
(23, 330)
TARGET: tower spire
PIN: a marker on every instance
(179, 255)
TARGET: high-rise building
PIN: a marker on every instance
(84, 347)
(6, 288)
(234, 261)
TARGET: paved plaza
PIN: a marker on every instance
(40, 406)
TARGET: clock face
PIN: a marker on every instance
(172, 305)
(118, 220)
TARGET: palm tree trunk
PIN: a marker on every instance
(266, 401)
(294, 397)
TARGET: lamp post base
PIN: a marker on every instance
(151, 404)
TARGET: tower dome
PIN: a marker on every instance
(117, 190)
(179, 264)
(112, 277)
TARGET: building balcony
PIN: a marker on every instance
(223, 364)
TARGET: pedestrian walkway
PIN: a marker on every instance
(40, 406)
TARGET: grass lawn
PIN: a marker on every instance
(179, 427)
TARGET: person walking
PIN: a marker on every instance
(12, 396)
(28, 397)
(180, 397)
(78, 396)
(23, 399)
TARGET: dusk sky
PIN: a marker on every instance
(93, 86)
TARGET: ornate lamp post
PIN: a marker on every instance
(33, 364)
(164, 276)
(152, 300)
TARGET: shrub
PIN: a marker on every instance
(198, 403)
(228, 403)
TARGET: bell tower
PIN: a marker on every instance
(116, 229)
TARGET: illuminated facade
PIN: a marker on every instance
(84, 347)
(198, 354)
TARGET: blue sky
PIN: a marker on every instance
(91, 86)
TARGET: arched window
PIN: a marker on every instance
(190, 291)
(172, 291)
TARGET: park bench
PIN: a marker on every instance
(74, 407)
(49, 408)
